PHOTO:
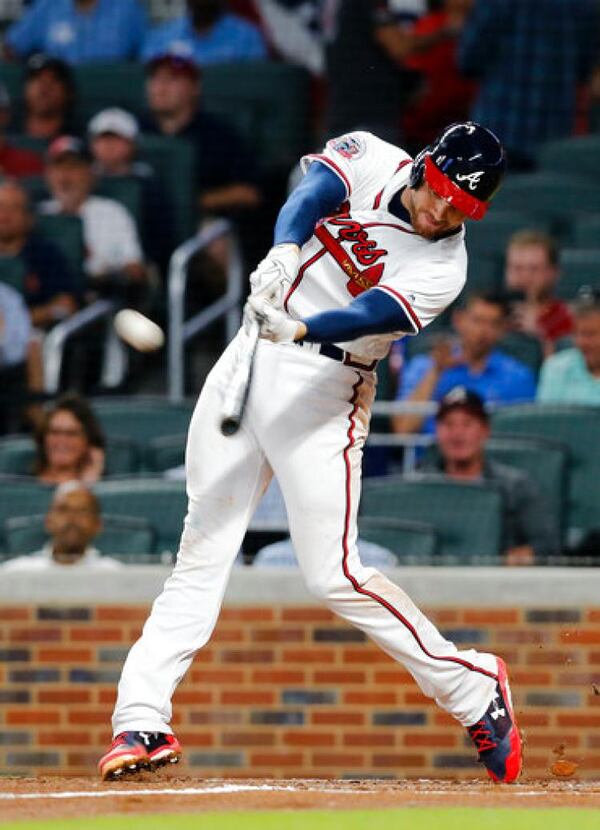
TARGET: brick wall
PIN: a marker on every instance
(293, 691)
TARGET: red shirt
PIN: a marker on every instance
(16, 162)
(555, 320)
(446, 95)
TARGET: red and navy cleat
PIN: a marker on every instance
(127, 754)
(161, 747)
(496, 734)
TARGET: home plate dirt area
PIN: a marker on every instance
(165, 792)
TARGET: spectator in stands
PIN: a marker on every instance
(462, 429)
(573, 375)
(531, 274)
(14, 161)
(114, 262)
(79, 31)
(113, 135)
(49, 287)
(49, 95)
(225, 174)
(444, 95)
(70, 443)
(368, 86)
(15, 332)
(530, 57)
(207, 34)
(474, 362)
(282, 555)
(73, 521)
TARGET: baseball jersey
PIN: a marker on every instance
(369, 248)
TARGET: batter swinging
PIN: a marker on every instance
(331, 296)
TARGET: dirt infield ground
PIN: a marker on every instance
(165, 792)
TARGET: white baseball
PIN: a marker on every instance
(138, 331)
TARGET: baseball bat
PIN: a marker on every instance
(236, 396)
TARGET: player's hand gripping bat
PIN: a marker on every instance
(236, 396)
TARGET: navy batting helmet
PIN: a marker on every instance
(464, 166)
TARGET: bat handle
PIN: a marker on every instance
(234, 402)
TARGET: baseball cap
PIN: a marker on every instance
(39, 63)
(67, 145)
(462, 398)
(116, 121)
(179, 64)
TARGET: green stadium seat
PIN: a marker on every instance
(142, 419)
(165, 452)
(174, 163)
(11, 75)
(66, 232)
(490, 238)
(124, 189)
(467, 517)
(578, 156)
(29, 142)
(413, 543)
(578, 428)
(524, 347)
(12, 272)
(578, 267)
(160, 502)
(585, 232)
(544, 461)
(125, 537)
(267, 102)
(552, 197)
(101, 85)
(19, 497)
(484, 274)
(17, 456)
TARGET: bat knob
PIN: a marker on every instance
(229, 426)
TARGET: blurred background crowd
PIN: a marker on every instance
(130, 127)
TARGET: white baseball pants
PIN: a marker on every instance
(306, 422)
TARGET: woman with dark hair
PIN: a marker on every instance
(70, 443)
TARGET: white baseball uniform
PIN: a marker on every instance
(306, 422)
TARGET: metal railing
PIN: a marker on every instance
(181, 330)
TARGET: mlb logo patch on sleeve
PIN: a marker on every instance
(349, 146)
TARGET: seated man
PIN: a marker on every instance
(79, 31)
(115, 262)
(462, 429)
(573, 375)
(474, 362)
(14, 161)
(73, 521)
(48, 97)
(532, 273)
(207, 34)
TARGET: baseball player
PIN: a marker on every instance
(331, 296)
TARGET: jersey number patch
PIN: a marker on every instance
(364, 249)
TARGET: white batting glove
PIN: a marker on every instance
(275, 273)
(275, 324)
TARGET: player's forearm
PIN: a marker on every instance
(319, 194)
(374, 312)
(422, 392)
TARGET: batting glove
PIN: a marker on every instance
(275, 324)
(275, 273)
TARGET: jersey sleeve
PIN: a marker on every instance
(425, 289)
(363, 162)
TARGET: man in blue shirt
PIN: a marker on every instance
(207, 34)
(474, 363)
(79, 31)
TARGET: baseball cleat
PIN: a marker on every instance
(162, 748)
(127, 754)
(496, 735)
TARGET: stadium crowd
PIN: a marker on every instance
(104, 174)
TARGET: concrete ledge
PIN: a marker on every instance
(473, 587)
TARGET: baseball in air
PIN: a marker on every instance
(138, 331)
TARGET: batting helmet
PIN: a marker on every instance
(464, 166)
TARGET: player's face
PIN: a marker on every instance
(587, 339)
(73, 522)
(430, 215)
(529, 269)
(461, 436)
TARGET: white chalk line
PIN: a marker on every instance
(239, 788)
